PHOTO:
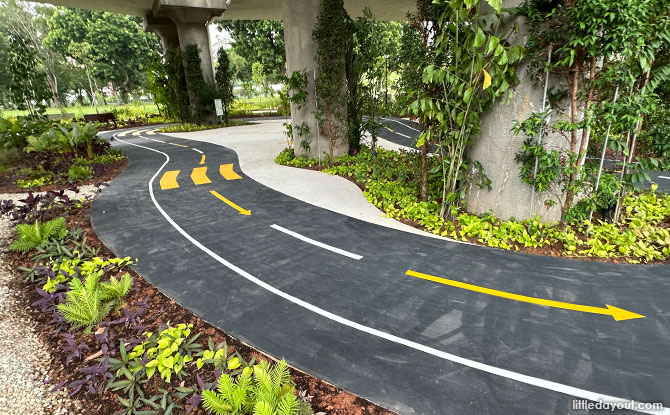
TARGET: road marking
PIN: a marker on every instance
(199, 176)
(137, 133)
(202, 160)
(157, 141)
(231, 204)
(196, 150)
(227, 172)
(169, 180)
(152, 132)
(178, 145)
(402, 123)
(317, 243)
(519, 377)
(664, 177)
(615, 312)
(404, 135)
(125, 133)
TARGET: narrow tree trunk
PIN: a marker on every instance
(586, 132)
(424, 171)
(570, 194)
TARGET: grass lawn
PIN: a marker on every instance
(79, 112)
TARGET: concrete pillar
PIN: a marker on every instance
(497, 146)
(165, 28)
(300, 17)
(192, 29)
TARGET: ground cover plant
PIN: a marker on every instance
(391, 181)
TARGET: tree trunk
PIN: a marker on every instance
(586, 132)
(570, 194)
(424, 171)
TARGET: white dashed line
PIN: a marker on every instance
(317, 243)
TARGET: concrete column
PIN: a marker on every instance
(192, 29)
(497, 146)
(165, 28)
(300, 17)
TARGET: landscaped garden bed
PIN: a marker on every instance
(94, 314)
(390, 181)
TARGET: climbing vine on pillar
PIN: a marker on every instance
(167, 84)
(332, 34)
(202, 95)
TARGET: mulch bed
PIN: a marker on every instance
(161, 309)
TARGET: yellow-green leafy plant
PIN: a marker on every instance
(36, 235)
(263, 390)
(88, 303)
(67, 268)
(167, 353)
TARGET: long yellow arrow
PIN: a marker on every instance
(231, 204)
(618, 313)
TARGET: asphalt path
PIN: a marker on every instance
(346, 310)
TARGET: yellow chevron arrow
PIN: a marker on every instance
(199, 176)
(169, 180)
(231, 204)
(618, 313)
(228, 173)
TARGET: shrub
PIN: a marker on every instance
(77, 173)
(36, 235)
(269, 392)
(88, 303)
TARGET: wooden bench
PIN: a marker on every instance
(106, 117)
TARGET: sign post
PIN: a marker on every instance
(219, 109)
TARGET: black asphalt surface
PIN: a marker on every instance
(592, 352)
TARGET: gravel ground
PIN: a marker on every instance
(25, 361)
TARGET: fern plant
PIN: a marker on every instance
(270, 392)
(38, 234)
(88, 303)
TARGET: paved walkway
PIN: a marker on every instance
(416, 324)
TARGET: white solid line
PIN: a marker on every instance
(401, 123)
(195, 149)
(158, 141)
(404, 135)
(530, 380)
(664, 177)
(317, 243)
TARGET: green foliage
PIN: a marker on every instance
(88, 303)
(331, 35)
(167, 82)
(78, 173)
(202, 95)
(27, 87)
(269, 392)
(224, 83)
(14, 132)
(392, 184)
(257, 41)
(36, 235)
(33, 183)
(65, 268)
(167, 353)
(65, 139)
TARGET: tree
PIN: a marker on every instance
(224, 83)
(27, 88)
(29, 24)
(259, 39)
(167, 83)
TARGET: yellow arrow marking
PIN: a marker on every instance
(615, 312)
(178, 145)
(231, 204)
(125, 133)
(137, 133)
(152, 132)
(228, 173)
(202, 160)
(169, 180)
(199, 176)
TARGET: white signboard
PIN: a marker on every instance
(219, 107)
